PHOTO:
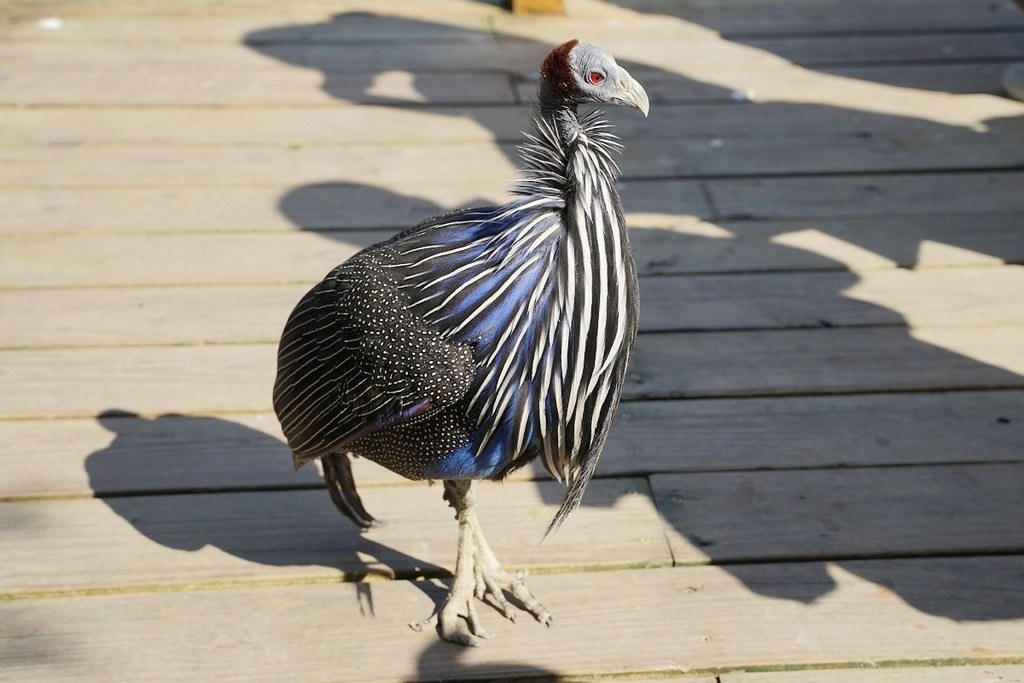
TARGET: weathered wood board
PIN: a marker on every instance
(237, 377)
(152, 541)
(913, 205)
(473, 49)
(752, 17)
(687, 246)
(69, 74)
(722, 518)
(462, 22)
(982, 673)
(815, 16)
(367, 29)
(896, 611)
(330, 204)
(866, 49)
(389, 125)
(113, 455)
(787, 362)
(865, 195)
(738, 517)
(401, 167)
(222, 314)
(889, 672)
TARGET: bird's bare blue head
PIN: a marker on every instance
(576, 73)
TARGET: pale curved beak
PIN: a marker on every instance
(631, 93)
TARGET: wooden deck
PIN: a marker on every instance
(817, 474)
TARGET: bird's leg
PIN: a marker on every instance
(478, 575)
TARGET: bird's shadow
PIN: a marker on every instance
(657, 251)
(148, 474)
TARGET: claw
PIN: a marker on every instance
(429, 622)
(457, 637)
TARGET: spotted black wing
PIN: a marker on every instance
(354, 360)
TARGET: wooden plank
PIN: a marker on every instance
(739, 119)
(746, 17)
(853, 243)
(317, 206)
(304, 257)
(782, 362)
(397, 166)
(402, 23)
(461, 23)
(867, 49)
(239, 377)
(889, 672)
(477, 51)
(806, 431)
(119, 455)
(820, 16)
(403, 166)
(256, 87)
(495, 29)
(263, 126)
(292, 86)
(324, 74)
(455, 11)
(255, 313)
(621, 31)
(928, 297)
(472, 43)
(880, 151)
(143, 315)
(139, 379)
(300, 257)
(305, 125)
(271, 535)
(963, 79)
(897, 611)
(676, 245)
(984, 673)
(865, 195)
(894, 204)
(738, 517)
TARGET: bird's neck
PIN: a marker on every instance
(551, 154)
(565, 118)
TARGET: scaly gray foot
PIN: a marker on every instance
(460, 605)
(479, 576)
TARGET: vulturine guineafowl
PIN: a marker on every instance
(477, 341)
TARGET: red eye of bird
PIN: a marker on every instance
(595, 77)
